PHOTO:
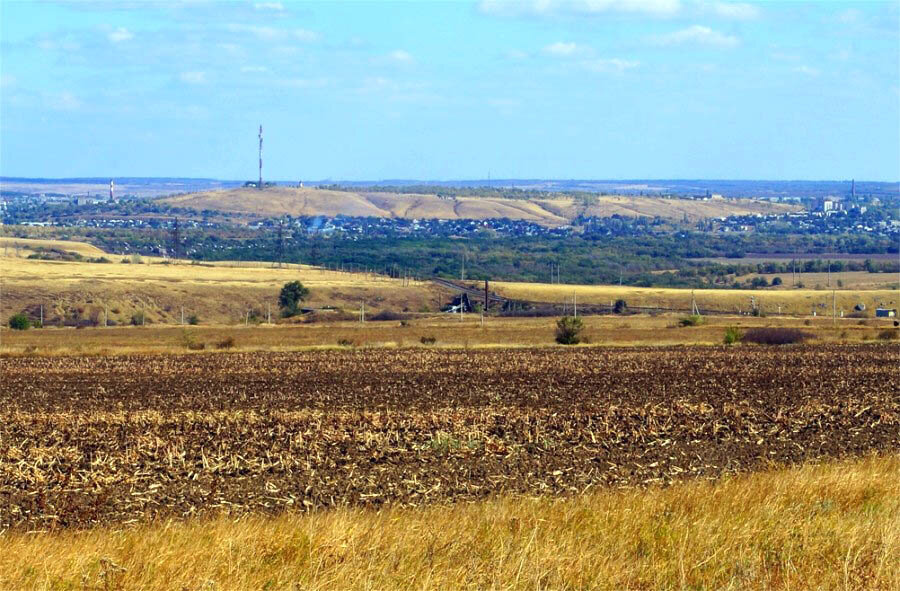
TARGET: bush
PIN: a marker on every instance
(620, 307)
(345, 343)
(19, 322)
(732, 335)
(226, 343)
(137, 319)
(568, 330)
(428, 340)
(692, 320)
(775, 336)
(888, 334)
(776, 281)
(193, 320)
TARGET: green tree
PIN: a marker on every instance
(290, 297)
(19, 322)
(568, 330)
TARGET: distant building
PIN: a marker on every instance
(885, 312)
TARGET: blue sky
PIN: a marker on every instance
(608, 89)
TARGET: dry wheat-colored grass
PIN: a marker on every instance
(831, 526)
(447, 330)
(801, 302)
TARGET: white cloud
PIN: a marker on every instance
(614, 64)
(120, 34)
(273, 33)
(305, 35)
(401, 57)
(735, 10)
(193, 77)
(657, 8)
(698, 35)
(65, 101)
(561, 49)
(277, 6)
(808, 71)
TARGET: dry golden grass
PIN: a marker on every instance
(792, 301)
(831, 526)
(220, 293)
(448, 331)
(550, 212)
(26, 246)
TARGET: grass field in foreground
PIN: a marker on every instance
(831, 526)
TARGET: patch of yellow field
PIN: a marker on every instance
(28, 246)
(794, 301)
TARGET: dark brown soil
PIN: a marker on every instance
(88, 440)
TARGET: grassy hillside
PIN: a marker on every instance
(220, 293)
(550, 212)
(831, 526)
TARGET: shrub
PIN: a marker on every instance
(345, 343)
(138, 319)
(568, 330)
(620, 307)
(193, 320)
(428, 340)
(888, 334)
(775, 336)
(19, 322)
(226, 343)
(776, 281)
(732, 335)
(692, 320)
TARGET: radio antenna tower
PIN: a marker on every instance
(260, 185)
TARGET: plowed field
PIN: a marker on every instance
(88, 440)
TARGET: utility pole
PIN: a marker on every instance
(175, 239)
(829, 272)
(575, 303)
(268, 313)
(260, 185)
(182, 316)
(42, 315)
(833, 307)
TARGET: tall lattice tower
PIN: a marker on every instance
(260, 185)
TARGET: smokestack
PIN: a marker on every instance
(112, 194)
(260, 185)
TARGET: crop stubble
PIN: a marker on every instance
(89, 440)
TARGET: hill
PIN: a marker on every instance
(552, 211)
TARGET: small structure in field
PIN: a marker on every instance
(885, 312)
